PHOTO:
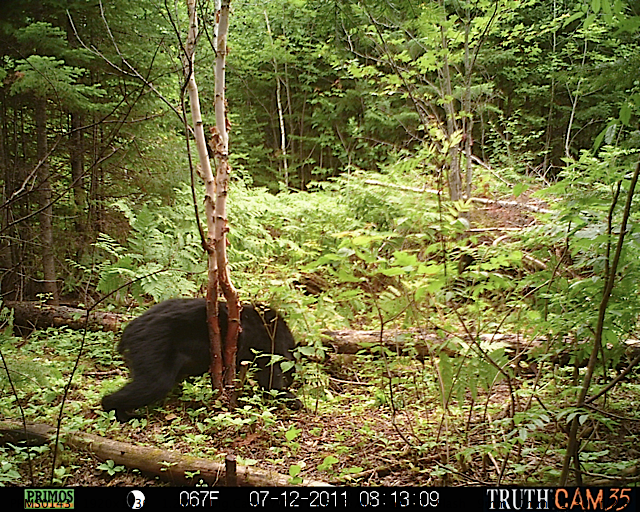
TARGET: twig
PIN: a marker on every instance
(632, 364)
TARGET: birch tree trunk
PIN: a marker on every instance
(223, 352)
(209, 201)
(223, 170)
(283, 138)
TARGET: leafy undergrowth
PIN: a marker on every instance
(472, 410)
(358, 427)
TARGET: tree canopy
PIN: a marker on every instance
(452, 166)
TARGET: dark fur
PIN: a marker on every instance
(170, 341)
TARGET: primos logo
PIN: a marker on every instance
(49, 498)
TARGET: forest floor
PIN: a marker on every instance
(348, 441)
(362, 432)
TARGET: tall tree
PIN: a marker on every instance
(46, 206)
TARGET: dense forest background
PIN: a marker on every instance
(456, 167)
(89, 91)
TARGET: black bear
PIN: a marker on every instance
(170, 341)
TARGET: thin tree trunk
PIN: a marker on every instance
(94, 187)
(546, 162)
(46, 216)
(574, 106)
(223, 355)
(76, 161)
(14, 181)
(283, 137)
(610, 279)
(209, 201)
(466, 107)
(223, 171)
(301, 146)
(454, 178)
(7, 277)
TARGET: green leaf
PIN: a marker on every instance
(523, 434)
(307, 351)
(327, 463)
(395, 271)
(588, 21)
(625, 114)
(572, 18)
(404, 259)
(348, 278)
(292, 433)
(519, 189)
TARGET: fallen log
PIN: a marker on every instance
(35, 315)
(168, 465)
(481, 200)
(422, 343)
